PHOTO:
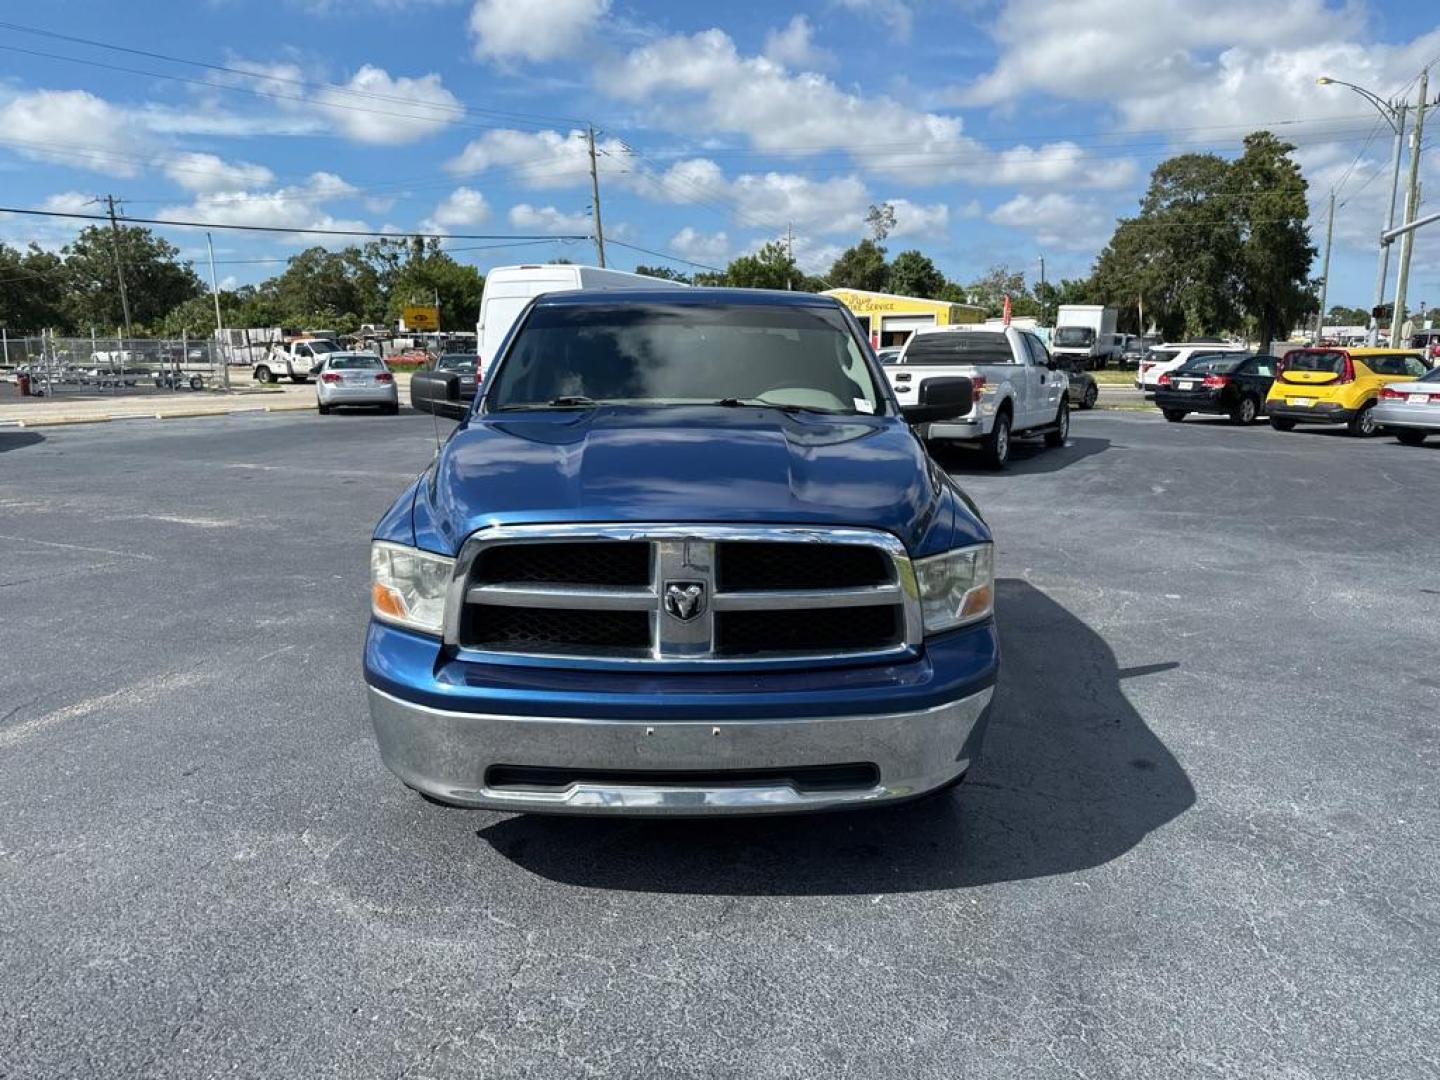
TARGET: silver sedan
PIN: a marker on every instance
(355, 378)
(1410, 410)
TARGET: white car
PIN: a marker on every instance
(1019, 389)
(355, 378)
(1160, 359)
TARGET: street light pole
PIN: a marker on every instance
(1412, 207)
(1325, 270)
(1394, 115)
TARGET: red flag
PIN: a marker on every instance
(1007, 309)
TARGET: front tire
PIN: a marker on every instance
(1092, 394)
(1062, 427)
(265, 375)
(1175, 415)
(1362, 424)
(1282, 425)
(1245, 411)
(1409, 436)
(995, 447)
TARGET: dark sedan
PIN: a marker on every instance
(1224, 384)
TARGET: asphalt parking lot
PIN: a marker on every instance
(1204, 839)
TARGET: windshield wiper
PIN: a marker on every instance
(735, 402)
(564, 401)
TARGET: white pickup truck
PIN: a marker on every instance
(1018, 389)
(294, 359)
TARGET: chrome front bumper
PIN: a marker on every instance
(450, 755)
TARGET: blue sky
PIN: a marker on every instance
(1002, 131)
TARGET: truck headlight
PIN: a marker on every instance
(957, 587)
(408, 586)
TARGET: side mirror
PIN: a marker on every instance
(1052, 365)
(941, 399)
(452, 386)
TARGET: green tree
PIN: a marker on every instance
(913, 274)
(1267, 191)
(662, 272)
(880, 220)
(32, 289)
(769, 268)
(990, 290)
(860, 267)
(1347, 316)
(156, 279)
(434, 274)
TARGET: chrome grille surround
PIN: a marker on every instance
(684, 553)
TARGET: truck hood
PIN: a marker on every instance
(681, 464)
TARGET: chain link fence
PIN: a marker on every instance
(48, 365)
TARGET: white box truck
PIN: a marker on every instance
(1084, 337)
(509, 288)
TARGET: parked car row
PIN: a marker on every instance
(1368, 390)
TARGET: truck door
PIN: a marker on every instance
(1045, 386)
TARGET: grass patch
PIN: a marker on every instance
(1111, 377)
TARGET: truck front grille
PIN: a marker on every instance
(666, 594)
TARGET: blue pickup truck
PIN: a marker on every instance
(683, 556)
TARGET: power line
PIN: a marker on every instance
(289, 229)
(533, 118)
(664, 255)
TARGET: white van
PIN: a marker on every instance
(509, 288)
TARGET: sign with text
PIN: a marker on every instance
(422, 317)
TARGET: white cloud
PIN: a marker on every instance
(70, 202)
(536, 31)
(712, 249)
(298, 206)
(701, 82)
(912, 219)
(463, 206)
(549, 220)
(1069, 48)
(378, 108)
(75, 128)
(895, 14)
(539, 159)
(780, 199)
(209, 172)
(792, 46)
(1056, 220)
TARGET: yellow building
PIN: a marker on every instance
(890, 320)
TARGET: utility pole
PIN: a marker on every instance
(789, 254)
(1043, 306)
(1384, 269)
(219, 322)
(1412, 207)
(595, 195)
(1325, 271)
(119, 263)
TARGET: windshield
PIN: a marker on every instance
(686, 353)
(960, 347)
(1333, 362)
(456, 362)
(353, 363)
(1070, 336)
(1212, 363)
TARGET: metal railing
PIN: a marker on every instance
(53, 365)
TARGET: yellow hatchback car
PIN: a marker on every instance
(1337, 386)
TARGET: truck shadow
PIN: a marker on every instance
(1026, 456)
(15, 440)
(1069, 778)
